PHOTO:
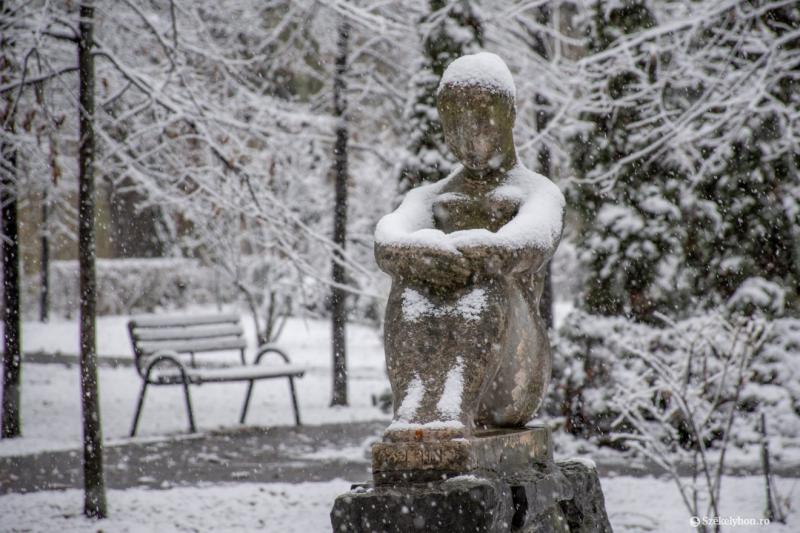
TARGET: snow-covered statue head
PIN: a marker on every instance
(465, 345)
(476, 107)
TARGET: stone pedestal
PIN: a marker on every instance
(495, 482)
(499, 451)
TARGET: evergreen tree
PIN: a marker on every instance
(629, 228)
(451, 29)
(745, 245)
(689, 196)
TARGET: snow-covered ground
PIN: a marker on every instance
(634, 505)
(51, 421)
(51, 396)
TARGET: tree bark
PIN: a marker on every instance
(12, 358)
(544, 16)
(338, 294)
(44, 232)
(93, 482)
(44, 263)
(545, 167)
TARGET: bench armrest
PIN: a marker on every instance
(270, 348)
(168, 357)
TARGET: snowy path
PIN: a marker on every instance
(277, 454)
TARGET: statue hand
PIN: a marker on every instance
(424, 264)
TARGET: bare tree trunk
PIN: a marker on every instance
(545, 167)
(44, 232)
(338, 295)
(12, 358)
(770, 511)
(541, 47)
(44, 263)
(93, 483)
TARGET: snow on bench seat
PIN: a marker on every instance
(192, 332)
(183, 320)
(233, 373)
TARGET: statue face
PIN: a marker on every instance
(477, 125)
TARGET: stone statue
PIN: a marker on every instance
(465, 344)
(466, 351)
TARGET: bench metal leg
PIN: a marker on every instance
(294, 402)
(192, 428)
(139, 405)
(246, 401)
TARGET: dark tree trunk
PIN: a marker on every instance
(546, 302)
(44, 263)
(542, 47)
(44, 235)
(12, 360)
(94, 485)
(338, 294)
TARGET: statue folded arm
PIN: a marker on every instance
(407, 245)
(418, 263)
(527, 241)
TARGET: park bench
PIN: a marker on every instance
(165, 350)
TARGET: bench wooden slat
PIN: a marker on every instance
(192, 346)
(235, 373)
(190, 332)
(185, 320)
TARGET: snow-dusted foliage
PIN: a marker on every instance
(127, 286)
(686, 148)
(447, 30)
(219, 121)
(679, 120)
(602, 364)
(689, 396)
(686, 409)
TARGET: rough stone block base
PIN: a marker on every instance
(544, 498)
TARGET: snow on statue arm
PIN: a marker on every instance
(528, 240)
(409, 246)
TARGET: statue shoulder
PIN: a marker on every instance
(529, 183)
(412, 221)
(540, 219)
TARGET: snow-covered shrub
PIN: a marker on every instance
(126, 286)
(684, 407)
(595, 355)
(758, 294)
(688, 396)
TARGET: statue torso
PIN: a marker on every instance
(464, 206)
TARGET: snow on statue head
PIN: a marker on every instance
(465, 345)
(476, 107)
(484, 70)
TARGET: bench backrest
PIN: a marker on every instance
(186, 335)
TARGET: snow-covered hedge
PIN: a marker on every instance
(595, 355)
(126, 286)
